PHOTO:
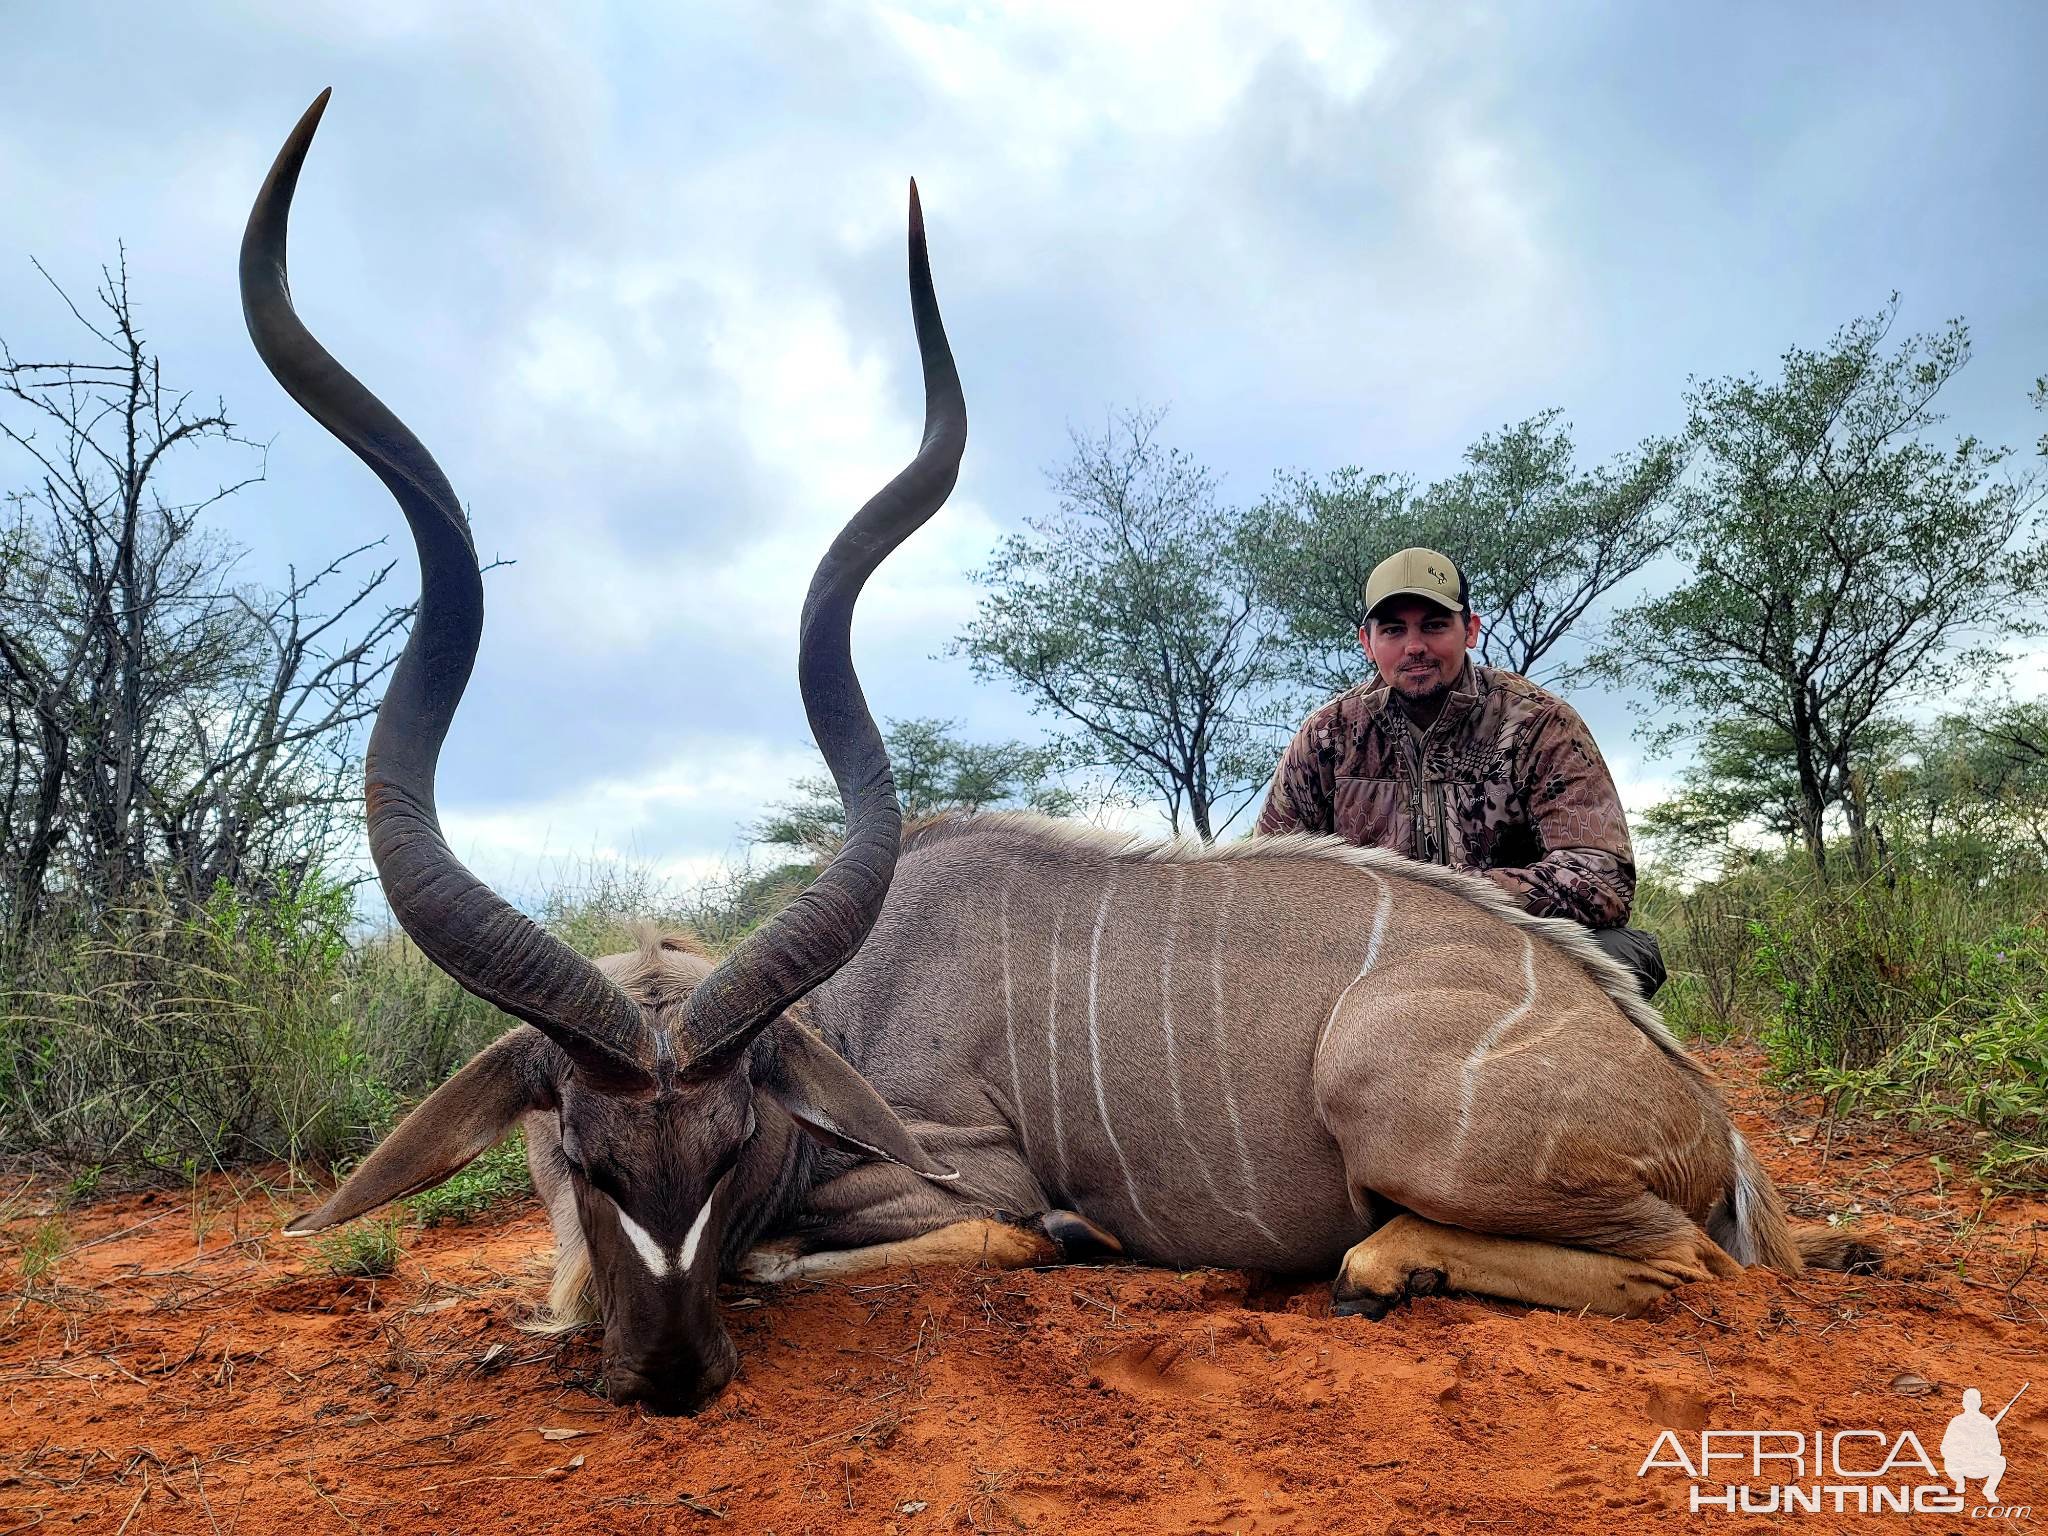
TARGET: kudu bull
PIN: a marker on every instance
(1029, 1041)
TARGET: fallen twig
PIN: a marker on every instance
(1714, 1321)
(324, 1499)
(111, 1236)
(190, 1355)
(140, 1494)
(199, 1482)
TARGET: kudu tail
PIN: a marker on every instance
(1751, 1223)
(1752, 1226)
(1824, 1248)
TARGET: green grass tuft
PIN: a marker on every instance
(39, 1255)
(172, 1041)
(367, 1250)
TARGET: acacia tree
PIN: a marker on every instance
(1742, 781)
(1547, 540)
(1978, 783)
(1131, 617)
(1312, 543)
(157, 717)
(1540, 539)
(1837, 562)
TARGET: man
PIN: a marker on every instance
(1462, 765)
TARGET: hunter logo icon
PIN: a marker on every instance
(1970, 1448)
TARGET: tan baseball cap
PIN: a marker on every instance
(1416, 573)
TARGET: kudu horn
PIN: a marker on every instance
(820, 931)
(491, 948)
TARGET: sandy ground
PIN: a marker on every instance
(185, 1369)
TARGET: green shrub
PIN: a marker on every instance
(1910, 994)
(1857, 968)
(39, 1255)
(497, 1176)
(168, 1038)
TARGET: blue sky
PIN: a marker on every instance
(635, 276)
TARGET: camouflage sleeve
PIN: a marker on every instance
(1588, 869)
(1301, 796)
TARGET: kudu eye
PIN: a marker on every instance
(572, 1154)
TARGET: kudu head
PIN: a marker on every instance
(640, 1070)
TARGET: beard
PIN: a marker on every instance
(1416, 692)
(1427, 694)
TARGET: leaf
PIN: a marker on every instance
(563, 1434)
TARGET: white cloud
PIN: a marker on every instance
(679, 819)
(816, 421)
(1639, 788)
(1059, 73)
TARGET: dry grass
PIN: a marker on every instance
(170, 1042)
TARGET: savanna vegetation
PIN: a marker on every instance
(1803, 570)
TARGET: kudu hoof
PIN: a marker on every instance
(1377, 1304)
(1076, 1237)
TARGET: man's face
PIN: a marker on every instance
(1417, 646)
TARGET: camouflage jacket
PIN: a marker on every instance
(1507, 783)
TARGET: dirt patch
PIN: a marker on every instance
(185, 1369)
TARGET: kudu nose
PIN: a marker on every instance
(669, 1386)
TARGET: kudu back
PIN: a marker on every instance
(1030, 1041)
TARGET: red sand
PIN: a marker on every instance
(185, 1369)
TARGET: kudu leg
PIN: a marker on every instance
(877, 1215)
(1413, 1257)
(978, 1240)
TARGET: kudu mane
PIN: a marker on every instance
(1025, 830)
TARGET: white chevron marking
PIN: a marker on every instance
(658, 1263)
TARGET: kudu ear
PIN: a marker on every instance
(466, 1116)
(825, 1095)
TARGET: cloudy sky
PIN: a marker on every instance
(635, 274)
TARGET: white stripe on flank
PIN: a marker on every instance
(1372, 953)
(1052, 1046)
(696, 1232)
(1180, 1108)
(1010, 1025)
(1468, 1084)
(1095, 1051)
(1244, 1157)
(658, 1263)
